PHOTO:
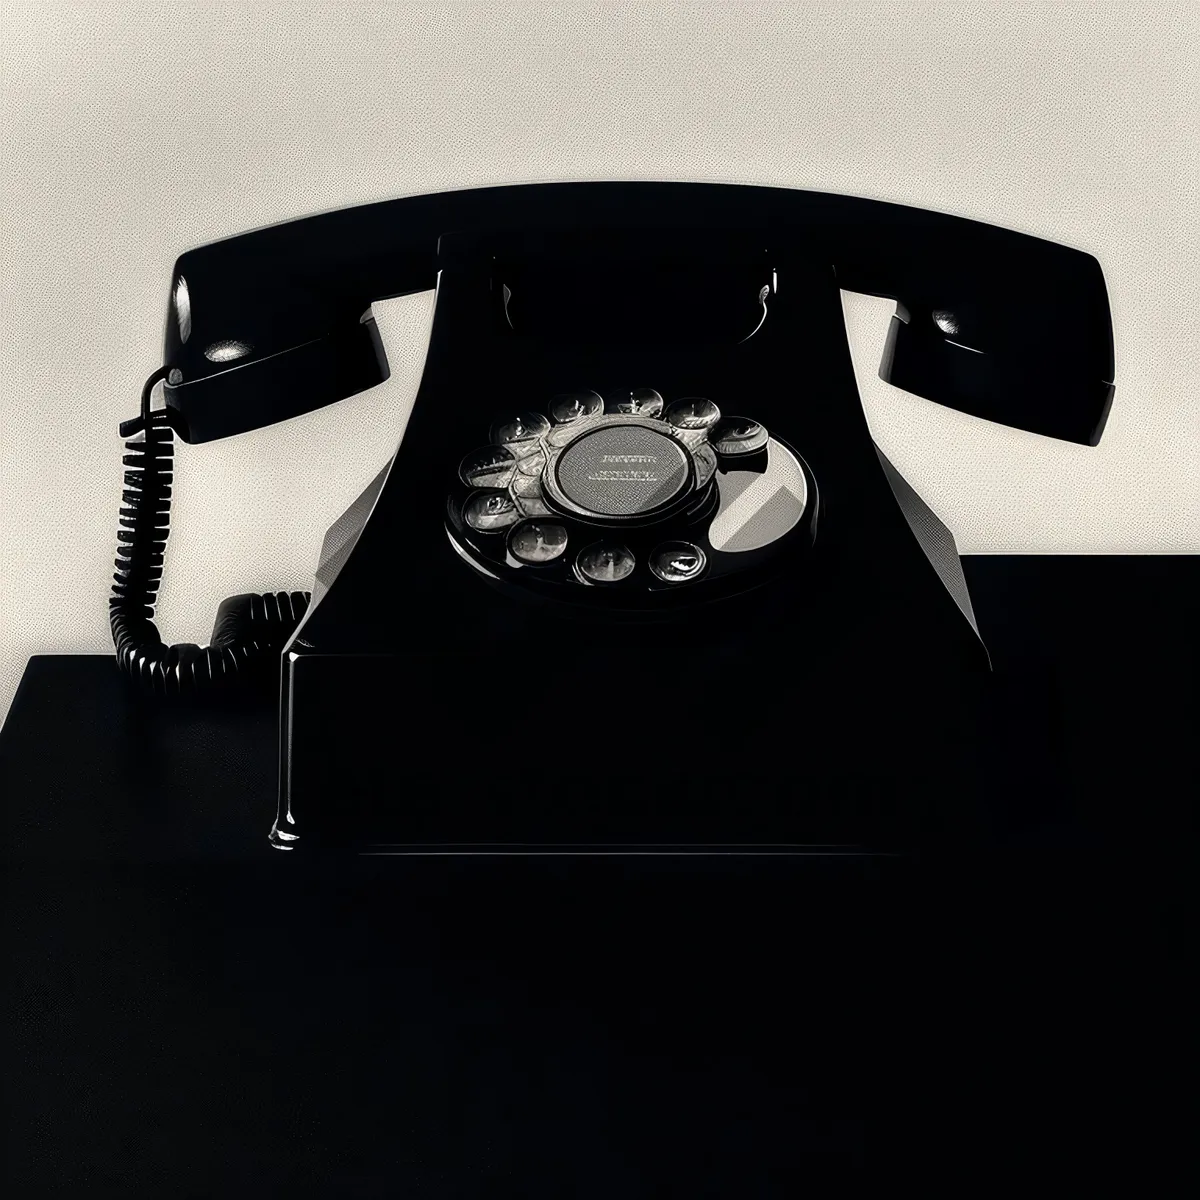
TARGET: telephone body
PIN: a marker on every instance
(637, 574)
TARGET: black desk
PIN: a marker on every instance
(196, 1014)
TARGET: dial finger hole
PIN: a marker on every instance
(693, 412)
(677, 562)
(537, 542)
(575, 406)
(737, 435)
(489, 511)
(605, 562)
(638, 402)
(487, 467)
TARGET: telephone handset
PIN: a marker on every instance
(276, 322)
(637, 433)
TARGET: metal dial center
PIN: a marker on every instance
(622, 470)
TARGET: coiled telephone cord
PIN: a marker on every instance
(250, 629)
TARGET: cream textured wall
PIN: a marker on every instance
(132, 131)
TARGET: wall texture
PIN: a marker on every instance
(132, 131)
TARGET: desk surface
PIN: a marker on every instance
(195, 1014)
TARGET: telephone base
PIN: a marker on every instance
(384, 752)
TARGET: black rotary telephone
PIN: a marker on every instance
(637, 573)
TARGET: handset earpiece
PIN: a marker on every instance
(250, 343)
(999, 360)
